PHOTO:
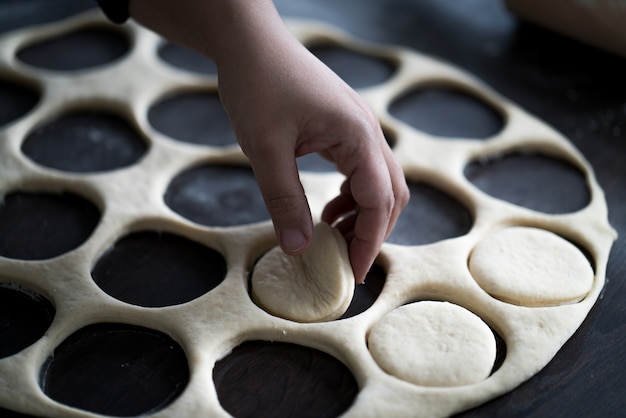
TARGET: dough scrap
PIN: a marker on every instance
(531, 267)
(433, 344)
(312, 287)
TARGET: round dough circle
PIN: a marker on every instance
(433, 344)
(531, 267)
(312, 287)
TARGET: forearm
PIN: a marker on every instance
(219, 29)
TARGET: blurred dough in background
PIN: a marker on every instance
(600, 23)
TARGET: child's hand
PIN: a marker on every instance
(284, 103)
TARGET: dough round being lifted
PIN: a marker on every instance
(312, 287)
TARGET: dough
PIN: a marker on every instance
(434, 344)
(531, 267)
(209, 327)
(315, 286)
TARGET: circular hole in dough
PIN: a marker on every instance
(15, 101)
(158, 269)
(25, 316)
(261, 378)
(390, 137)
(447, 112)
(316, 163)
(79, 49)
(367, 292)
(532, 180)
(39, 225)
(357, 69)
(85, 142)
(116, 369)
(186, 59)
(531, 267)
(217, 195)
(432, 343)
(194, 117)
(315, 286)
(430, 216)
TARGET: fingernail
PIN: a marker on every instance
(292, 240)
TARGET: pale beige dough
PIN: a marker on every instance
(531, 267)
(433, 344)
(315, 286)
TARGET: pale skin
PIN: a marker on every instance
(284, 103)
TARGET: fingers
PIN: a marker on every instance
(369, 204)
(277, 175)
(340, 207)
(400, 189)
(372, 192)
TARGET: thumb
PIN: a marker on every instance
(276, 173)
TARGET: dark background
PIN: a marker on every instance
(579, 90)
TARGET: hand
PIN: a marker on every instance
(284, 103)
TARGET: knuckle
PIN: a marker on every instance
(403, 197)
(391, 204)
(284, 204)
(249, 146)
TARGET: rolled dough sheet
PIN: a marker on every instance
(210, 326)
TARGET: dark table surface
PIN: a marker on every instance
(579, 90)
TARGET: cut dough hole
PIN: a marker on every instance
(186, 59)
(534, 181)
(97, 45)
(367, 292)
(24, 318)
(430, 216)
(433, 344)
(158, 269)
(217, 195)
(357, 69)
(531, 267)
(312, 383)
(194, 117)
(85, 142)
(15, 101)
(316, 163)
(447, 112)
(38, 226)
(313, 287)
(116, 369)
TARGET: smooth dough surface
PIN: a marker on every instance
(433, 344)
(531, 267)
(315, 286)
